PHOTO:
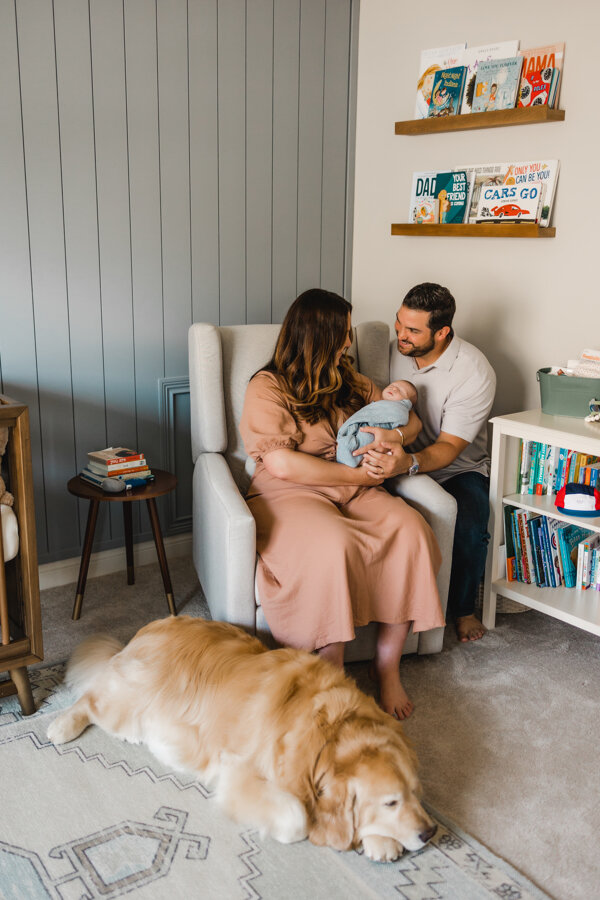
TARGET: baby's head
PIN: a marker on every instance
(400, 390)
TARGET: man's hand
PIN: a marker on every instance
(389, 459)
(380, 435)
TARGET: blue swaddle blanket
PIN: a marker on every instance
(381, 414)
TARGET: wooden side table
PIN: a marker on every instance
(162, 484)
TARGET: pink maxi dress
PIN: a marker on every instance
(331, 558)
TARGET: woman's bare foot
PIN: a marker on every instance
(469, 628)
(393, 699)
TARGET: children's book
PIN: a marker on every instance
(423, 202)
(511, 175)
(497, 84)
(585, 549)
(549, 571)
(536, 87)
(447, 91)
(471, 58)
(432, 61)
(519, 203)
(451, 192)
(549, 57)
(568, 539)
(554, 527)
(534, 533)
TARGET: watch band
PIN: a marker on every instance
(414, 468)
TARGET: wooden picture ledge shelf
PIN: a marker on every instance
(498, 118)
(496, 230)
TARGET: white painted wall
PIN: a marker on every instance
(525, 303)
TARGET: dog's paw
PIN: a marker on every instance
(381, 849)
(292, 822)
(59, 731)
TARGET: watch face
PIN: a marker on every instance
(414, 468)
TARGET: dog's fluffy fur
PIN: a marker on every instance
(290, 743)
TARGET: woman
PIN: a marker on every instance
(336, 550)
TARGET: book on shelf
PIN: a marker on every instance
(549, 571)
(511, 564)
(451, 191)
(510, 176)
(585, 549)
(514, 203)
(538, 88)
(447, 91)
(554, 527)
(497, 84)
(521, 516)
(127, 466)
(423, 202)
(114, 456)
(549, 57)
(473, 56)
(569, 537)
(430, 62)
(533, 524)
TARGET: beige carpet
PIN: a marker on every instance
(507, 729)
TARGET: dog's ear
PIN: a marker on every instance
(333, 813)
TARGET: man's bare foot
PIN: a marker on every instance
(393, 699)
(469, 628)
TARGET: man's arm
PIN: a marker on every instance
(393, 460)
(410, 432)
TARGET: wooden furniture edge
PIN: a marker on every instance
(499, 118)
(496, 230)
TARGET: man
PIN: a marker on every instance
(455, 386)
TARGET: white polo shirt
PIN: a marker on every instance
(455, 395)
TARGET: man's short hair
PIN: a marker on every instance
(434, 299)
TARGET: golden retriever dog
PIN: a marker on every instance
(290, 744)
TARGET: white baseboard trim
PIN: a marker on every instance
(66, 571)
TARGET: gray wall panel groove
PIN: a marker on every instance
(161, 162)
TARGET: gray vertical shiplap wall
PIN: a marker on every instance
(161, 162)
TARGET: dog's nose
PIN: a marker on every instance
(426, 835)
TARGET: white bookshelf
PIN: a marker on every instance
(578, 607)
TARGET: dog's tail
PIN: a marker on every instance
(89, 660)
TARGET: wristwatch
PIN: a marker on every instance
(415, 465)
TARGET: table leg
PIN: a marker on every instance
(160, 550)
(127, 519)
(85, 555)
(20, 678)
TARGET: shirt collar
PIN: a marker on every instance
(446, 360)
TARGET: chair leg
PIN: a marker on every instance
(20, 678)
(160, 551)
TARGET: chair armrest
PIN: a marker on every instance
(438, 508)
(224, 542)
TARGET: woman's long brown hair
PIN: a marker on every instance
(311, 335)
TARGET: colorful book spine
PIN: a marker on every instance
(533, 525)
(541, 468)
(547, 553)
(517, 545)
(562, 456)
(565, 556)
(528, 567)
(554, 527)
(535, 455)
(527, 450)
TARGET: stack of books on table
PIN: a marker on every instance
(127, 465)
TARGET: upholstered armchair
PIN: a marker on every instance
(222, 361)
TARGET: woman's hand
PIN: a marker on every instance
(389, 461)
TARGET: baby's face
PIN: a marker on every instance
(397, 390)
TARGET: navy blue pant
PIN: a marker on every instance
(471, 537)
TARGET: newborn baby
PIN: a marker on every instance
(391, 412)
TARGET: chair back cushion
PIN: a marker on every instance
(222, 361)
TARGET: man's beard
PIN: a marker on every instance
(417, 351)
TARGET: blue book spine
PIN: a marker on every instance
(562, 456)
(547, 553)
(517, 545)
(565, 555)
(533, 526)
(535, 455)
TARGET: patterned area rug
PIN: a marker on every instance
(102, 818)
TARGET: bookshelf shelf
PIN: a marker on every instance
(522, 230)
(577, 607)
(499, 118)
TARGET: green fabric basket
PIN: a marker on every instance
(567, 395)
